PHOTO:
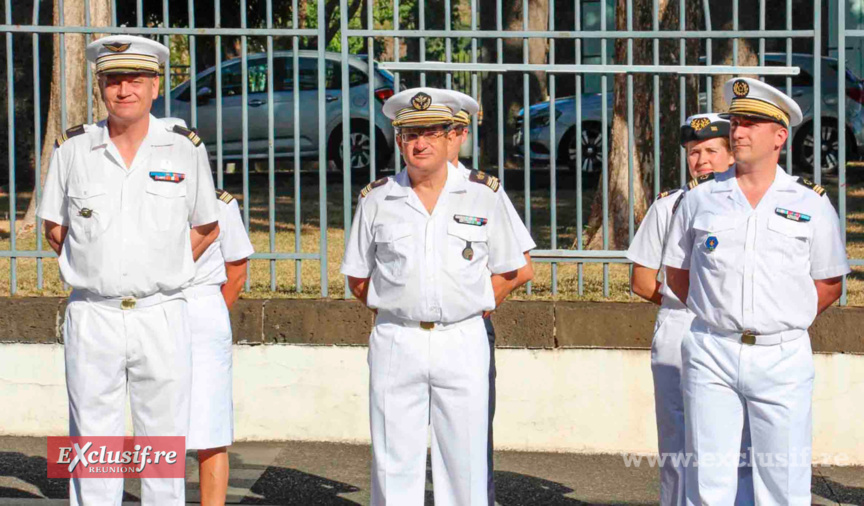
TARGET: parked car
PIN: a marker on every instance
(283, 108)
(802, 136)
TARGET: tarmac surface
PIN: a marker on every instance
(310, 474)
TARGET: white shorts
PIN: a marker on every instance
(211, 424)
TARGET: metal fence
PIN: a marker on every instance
(463, 70)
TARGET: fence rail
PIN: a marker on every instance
(287, 78)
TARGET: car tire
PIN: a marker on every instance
(360, 153)
(802, 147)
(592, 148)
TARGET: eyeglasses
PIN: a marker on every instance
(428, 135)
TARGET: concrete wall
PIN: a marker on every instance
(572, 376)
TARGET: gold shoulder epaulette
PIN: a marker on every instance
(371, 186)
(68, 134)
(667, 193)
(485, 179)
(699, 180)
(224, 196)
(813, 186)
(189, 134)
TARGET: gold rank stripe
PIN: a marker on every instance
(462, 117)
(127, 62)
(435, 114)
(760, 107)
(225, 196)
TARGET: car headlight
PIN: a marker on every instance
(542, 120)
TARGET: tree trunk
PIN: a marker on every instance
(723, 55)
(76, 87)
(643, 132)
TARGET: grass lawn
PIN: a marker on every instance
(286, 286)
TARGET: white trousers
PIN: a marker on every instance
(769, 388)
(669, 330)
(418, 377)
(211, 423)
(145, 350)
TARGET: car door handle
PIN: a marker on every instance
(332, 98)
(255, 102)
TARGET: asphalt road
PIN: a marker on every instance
(310, 474)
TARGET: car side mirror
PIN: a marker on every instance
(204, 95)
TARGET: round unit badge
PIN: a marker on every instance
(711, 243)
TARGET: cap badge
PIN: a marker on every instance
(421, 101)
(741, 88)
(699, 123)
(117, 47)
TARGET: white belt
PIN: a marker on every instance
(751, 338)
(195, 292)
(389, 318)
(125, 303)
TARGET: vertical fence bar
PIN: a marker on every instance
(553, 155)
(37, 143)
(422, 18)
(322, 134)
(789, 80)
(244, 122)
(271, 155)
(499, 87)
(139, 13)
(220, 166)
(762, 39)
(448, 43)
(841, 127)
(604, 108)
(89, 71)
(347, 145)
(682, 88)
(193, 74)
(817, 91)
(631, 145)
(167, 85)
(10, 118)
(373, 80)
(526, 125)
(475, 131)
(397, 159)
(578, 142)
(655, 25)
(64, 116)
(734, 28)
(709, 80)
(295, 69)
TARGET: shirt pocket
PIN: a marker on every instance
(165, 205)
(467, 248)
(789, 242)
(89, 209)
(393, 244)
(716, 242)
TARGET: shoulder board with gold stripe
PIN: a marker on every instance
(699, 180)
(667, 193)
(224, 196)
(189, 134)
(68, 134)
(371, 186)
(813, 186)
(481, 177)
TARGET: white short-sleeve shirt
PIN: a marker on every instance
(434, 267)
(523, 236)
(753, 269)
(232, 245)
(649, 241)
(128, 227)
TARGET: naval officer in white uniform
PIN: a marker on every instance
(705, 138)
(219, 278)
(756, 254)
(461, 124)
(422, 246)
(119, 200)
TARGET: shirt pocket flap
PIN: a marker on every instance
(390, 233)
(85, 190)
(166, 189)
(470, 233)
(714, 223)
(789, 228)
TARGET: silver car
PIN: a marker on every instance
(283, 108)
(802, 136)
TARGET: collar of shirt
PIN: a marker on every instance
(402, 189)
(728, 183)
(157, 136)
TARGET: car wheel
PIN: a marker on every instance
(359, 147)
(592, 148)
(829, 146)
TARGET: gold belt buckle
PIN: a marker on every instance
(748, 337)
(127, 303)
(427, 325)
